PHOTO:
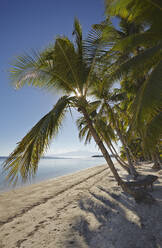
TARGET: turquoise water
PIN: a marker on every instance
(51, 168)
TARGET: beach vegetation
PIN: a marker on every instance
(67, 67)
(142, 69)
(128, 55)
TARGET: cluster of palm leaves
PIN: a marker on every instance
(142, 69)
(128, 55)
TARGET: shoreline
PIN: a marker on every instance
(49, 171)
(86, 209)
(14, 208)
(45, 180)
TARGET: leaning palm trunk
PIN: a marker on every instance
(118, 160)
(109, 145)
(156, 160)
(131, 167)
(139, 195)
(116, 155)
(102, 147)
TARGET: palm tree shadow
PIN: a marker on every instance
(113, 220)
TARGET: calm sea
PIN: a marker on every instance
(54, 167)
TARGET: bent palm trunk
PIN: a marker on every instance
(109, 144)
(102, 147)
(155, 158)
(131, 167)
(118, 160)
(139, 195)
(116, 155)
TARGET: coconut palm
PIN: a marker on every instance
(146, 64)
(110, 36)
(66, 67)
(133, 50)
(105, 132)
(118, 121)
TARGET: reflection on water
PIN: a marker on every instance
(51, 168)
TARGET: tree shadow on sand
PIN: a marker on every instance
(114, 220)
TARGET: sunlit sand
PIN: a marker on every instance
(84, 209)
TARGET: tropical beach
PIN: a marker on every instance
(81, 126)
(84, 209)
(50, 168)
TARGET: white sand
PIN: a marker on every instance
(85, 209)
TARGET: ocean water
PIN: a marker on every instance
(54, 167)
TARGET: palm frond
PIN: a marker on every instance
(78, 37)
(104, 129)
(31, 70)
(139, 64)
(84, 132)
(135, 10)
(58, 67)
(117, 8)
(81, 63)
(153, 132)
(23, 162)
(94, 49)
(142, 40)
(150, 96)
(66, 61)
(93, 44)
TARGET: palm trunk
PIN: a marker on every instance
(156, 160)
(158, 156)
(102, 147)
(109, 144)
(139, 195)
(121, 160)
(131, 167)
(118, 160)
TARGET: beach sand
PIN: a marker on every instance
(81, 210)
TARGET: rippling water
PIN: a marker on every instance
(51, 168)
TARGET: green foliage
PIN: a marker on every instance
(153, 132)
(130, 54)
(23, 162)
(136, 10)
(142, 66)
(84, 132)
(104, 130)
(150, 97)
(63, 66)
(30, 69)
(77, 32)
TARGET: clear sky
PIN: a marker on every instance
(33, 24)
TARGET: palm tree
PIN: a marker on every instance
(105, 132)
(73, 70)
(145, 65)
(66, 67)
(109, 36)
(113, 119)
(133, 51)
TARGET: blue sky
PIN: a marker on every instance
(33, 24)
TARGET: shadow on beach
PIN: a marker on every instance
(112, 219)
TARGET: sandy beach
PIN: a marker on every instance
(84, 209)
